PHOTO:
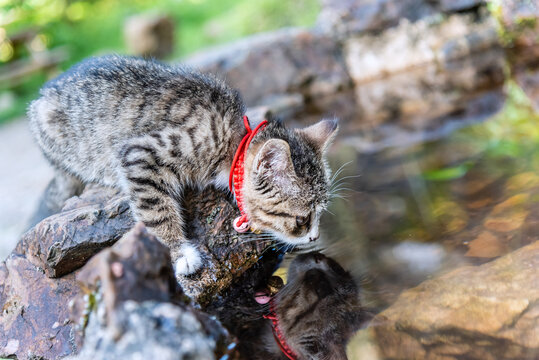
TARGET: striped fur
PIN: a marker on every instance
(319, 310)
(150, 129)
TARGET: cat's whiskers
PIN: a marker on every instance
(329, 211)
(237, 236)
(267, 237)
(340, 183)
(345, 178)
(339, 171)
(342, 188)
(338, 195)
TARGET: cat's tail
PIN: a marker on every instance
(62, 187)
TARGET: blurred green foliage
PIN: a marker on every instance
(513, 133)
(510, 30)
(93, 27)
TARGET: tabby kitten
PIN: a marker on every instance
(150, 129)
(318, 310)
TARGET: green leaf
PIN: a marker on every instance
(449, 173)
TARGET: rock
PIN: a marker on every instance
(227, 253)
(528, 80)
(523, 181)
(442, 41)
(136, 268)
(283, 106)
(520, 32)
(34, 303)
(507, 223)
(349, 17)
(150, 35)
(459, 5)
(153, 330)
(487, 245)
(441, 69)
(37, 281)
(99, 217)
(449, 69)
(355, 16)
(285, 61)
(137, 308)
(519, 19)
(64, 242)
(35, 319)
(484, 312)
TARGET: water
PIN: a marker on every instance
(410, 213)
(395, 216)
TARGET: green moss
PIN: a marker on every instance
(508, 34)
(89, 307)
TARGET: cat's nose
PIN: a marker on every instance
(314, 238)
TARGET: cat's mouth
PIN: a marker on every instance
(264, 296)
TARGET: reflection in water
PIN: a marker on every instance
(312, 317)
(411, 213)
(401, 222)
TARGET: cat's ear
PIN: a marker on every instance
(320, 134)
(273, 159)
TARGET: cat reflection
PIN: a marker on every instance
(312, 317)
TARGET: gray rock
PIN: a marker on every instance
(153, 330)
(459, 5)
(285, 61)
(35, 319)
(520, 29)
(348, 17)
(441, 68)
(64, 242)
(528, 80)
(135, 307)
(149, 35)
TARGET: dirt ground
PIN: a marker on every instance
(24, 174)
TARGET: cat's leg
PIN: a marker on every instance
(62, 187)
(155, 196)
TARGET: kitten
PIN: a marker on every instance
(150, 129)
(318, 310)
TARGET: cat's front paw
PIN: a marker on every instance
(189, 261)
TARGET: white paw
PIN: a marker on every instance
(189, 261)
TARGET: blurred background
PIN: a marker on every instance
(39, 38)
(437, 160)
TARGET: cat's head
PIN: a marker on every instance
(287, 180)
(319, 308)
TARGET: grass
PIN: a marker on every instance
(93, 27)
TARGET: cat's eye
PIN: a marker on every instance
(302, 220)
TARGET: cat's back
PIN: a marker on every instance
(134, 93)
(111, 90)
(87, 113)
(111, 72)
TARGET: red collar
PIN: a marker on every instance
(241, 224)
(278, 334)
